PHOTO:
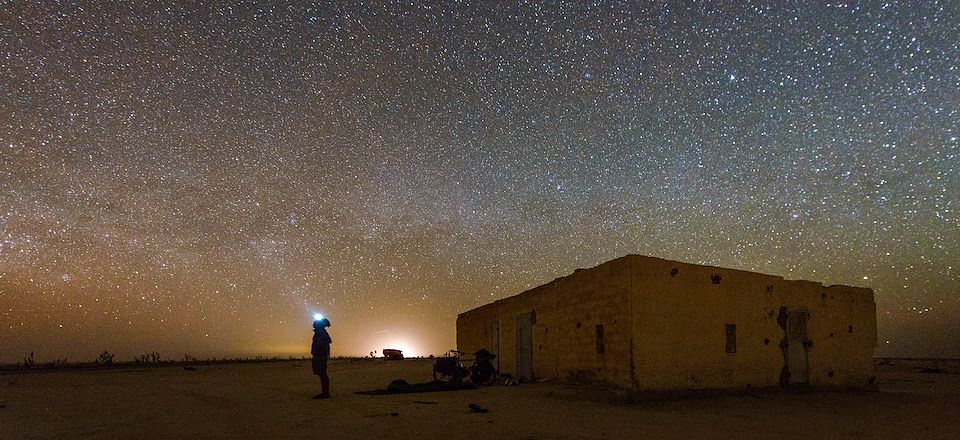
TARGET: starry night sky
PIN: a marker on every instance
(200, 180)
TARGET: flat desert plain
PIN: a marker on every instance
(271, 400)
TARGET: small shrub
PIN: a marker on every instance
(105, 358)
(28, 361)
(147, 358)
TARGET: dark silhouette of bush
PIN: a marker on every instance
(148, 358)
(28, 361)
(106, 358)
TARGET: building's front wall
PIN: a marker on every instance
(665, 326)
(679, 327)
(567, 313)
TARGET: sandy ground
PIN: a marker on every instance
(272, 400)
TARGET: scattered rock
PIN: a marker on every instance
(477, 408)
(393, 414)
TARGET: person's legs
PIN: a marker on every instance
(320, 369)
(325, 384)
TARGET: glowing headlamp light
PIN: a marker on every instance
(317, 316)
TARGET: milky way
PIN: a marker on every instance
(202, 180)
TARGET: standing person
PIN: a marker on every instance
(320, 349)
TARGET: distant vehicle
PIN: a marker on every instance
(392, 354)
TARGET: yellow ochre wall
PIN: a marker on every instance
(561, 348)
(666, 331)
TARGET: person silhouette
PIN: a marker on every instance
(320, 349)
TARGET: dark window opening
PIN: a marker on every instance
(715, 279)
(731, 338)
(601, 346)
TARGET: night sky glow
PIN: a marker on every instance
(203, 180)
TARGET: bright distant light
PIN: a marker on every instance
(317, 316)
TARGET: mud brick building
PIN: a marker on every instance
(651, 324)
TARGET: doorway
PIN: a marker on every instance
(797, 363)
(525, 348)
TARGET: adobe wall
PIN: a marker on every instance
(680, 339)
(666, 331)
(568, 311)
(845, 339)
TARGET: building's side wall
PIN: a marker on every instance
(845, 339)
(680, 337)
(567, 312)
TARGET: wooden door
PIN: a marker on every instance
(797, 363)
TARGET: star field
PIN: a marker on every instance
(202, 179)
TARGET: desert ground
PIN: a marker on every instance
(917, 399)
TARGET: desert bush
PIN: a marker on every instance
(28, 361)
(146, 358)
(105, 358)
